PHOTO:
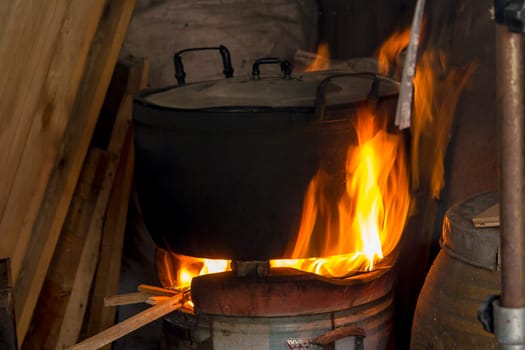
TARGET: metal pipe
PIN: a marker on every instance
(509, 47)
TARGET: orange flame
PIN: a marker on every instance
(354, 232)
(322, 59)
(370, 215)
(390, 50)
(176, 271)
(437, 88)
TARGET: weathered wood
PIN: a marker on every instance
(48, 67)
(129, 325)
(106, 282)
(103, 56)
(354, 28)
(8, 340)
(65, 284)
(154, 290)
(487, 218)
(125, 299)
(76, 307)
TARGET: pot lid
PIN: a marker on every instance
(333, 87)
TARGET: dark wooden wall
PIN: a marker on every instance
(356, 28)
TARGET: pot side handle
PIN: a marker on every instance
(180, 74)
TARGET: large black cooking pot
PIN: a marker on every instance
(222, 166)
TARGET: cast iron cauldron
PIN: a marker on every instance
(222, 166)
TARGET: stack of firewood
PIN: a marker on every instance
(63, 196)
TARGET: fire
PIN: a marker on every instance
(356, 230)
(367, 221)
(322, 59)
(437, 88)
(390, 50)
(176, 271)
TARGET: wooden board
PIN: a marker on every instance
(83, 278)
(8, 340)
(43, 57)
(99, 316)
(73, 147)
(68, 279)
(106, 282)
(488, 218)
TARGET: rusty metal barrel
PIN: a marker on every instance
(463, 275)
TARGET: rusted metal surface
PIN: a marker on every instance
(406, 92)
(460, 280)
(510, 97)
(251, 268)
(339, 333)
(204, 332)
(285, 292)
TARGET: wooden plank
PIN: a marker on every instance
(108, 272)
(154, 290)
(76, 307)
(59, 283)
(103, 56)
(487, 218)
(34, 113)
(133, 323)
(137, 80)
(8, 340)
(106, 281)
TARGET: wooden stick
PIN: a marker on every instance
(154, 290)
(154, 300)
(126, 299)
(129, 325)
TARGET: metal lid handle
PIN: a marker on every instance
(286, 66)
(180, 75)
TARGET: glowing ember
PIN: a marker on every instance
(370, 215)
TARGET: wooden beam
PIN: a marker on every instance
(102, 59)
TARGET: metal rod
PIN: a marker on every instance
(510, 97)
(406, 90)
